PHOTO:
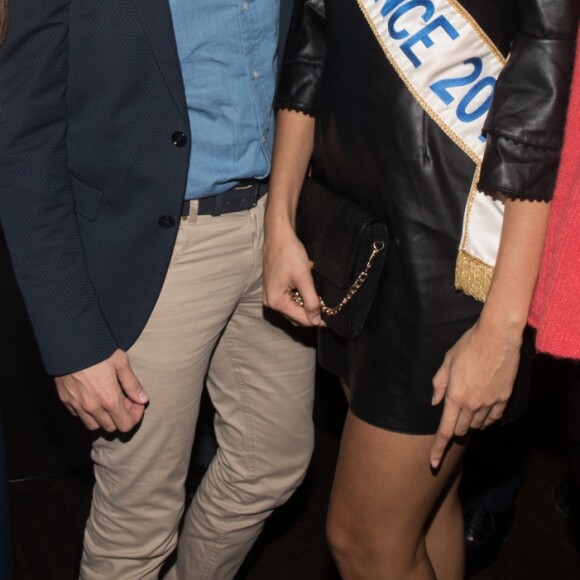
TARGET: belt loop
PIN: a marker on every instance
(263, 188)
(189, 210)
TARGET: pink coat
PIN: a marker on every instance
(555, 310)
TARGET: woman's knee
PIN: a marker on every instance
(361, 553)
(341, 541)
(349, 538)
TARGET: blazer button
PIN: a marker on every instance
(166, 221)
(179, 139)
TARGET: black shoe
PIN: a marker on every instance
(566, 498)
(485, 532)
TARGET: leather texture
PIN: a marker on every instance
(528, 110)
(375, 145)
(94, 155)
(339, 237)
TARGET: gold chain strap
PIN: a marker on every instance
(378, 247)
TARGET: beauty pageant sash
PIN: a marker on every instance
(450, 67)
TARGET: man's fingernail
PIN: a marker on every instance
(143, 397)
(434, 463)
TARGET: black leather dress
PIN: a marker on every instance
(375, 145)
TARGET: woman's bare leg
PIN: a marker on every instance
(445, 536)
(383, 495)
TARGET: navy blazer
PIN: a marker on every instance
(93, 166)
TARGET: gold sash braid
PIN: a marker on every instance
(450, 67)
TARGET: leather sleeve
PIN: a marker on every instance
(525, 124)
(304, 58)
(36, 205)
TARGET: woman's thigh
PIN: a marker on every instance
(385, 490)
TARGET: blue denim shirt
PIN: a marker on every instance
(227, 51)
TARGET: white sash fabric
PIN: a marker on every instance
(450, 67)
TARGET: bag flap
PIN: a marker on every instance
(334, 231)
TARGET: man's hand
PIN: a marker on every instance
(107, 395)
(476, 379)
(286, 267)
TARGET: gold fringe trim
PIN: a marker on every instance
(472, 276)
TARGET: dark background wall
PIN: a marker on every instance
(41, 437)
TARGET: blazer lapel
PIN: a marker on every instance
(156, 19)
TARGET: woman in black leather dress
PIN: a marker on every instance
(431, 362)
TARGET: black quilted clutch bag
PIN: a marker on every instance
(348, 247)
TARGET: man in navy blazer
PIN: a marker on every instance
(135, 143)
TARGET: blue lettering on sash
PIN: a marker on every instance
(441, 88)
(423, 37)
(402, 10)
(467, 116)
(389, 5)
(397, 9)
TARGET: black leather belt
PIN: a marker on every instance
(243, 196)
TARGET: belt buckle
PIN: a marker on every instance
(253, 189)
(249, 191)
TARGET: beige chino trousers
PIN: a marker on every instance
(208, 327)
